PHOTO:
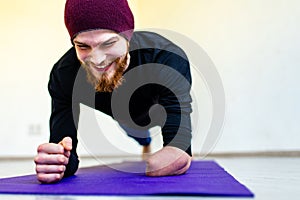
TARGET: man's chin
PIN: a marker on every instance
(109, 80)
(107, 85)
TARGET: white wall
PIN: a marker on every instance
(32, 38)
(253, 43)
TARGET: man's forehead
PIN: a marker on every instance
(96, 36)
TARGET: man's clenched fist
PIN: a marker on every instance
(52, 159)
(168, 161)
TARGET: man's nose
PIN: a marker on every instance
(97, 57)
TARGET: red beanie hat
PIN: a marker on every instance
(85, 15)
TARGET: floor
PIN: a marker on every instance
(268, 177)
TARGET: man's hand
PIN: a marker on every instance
(168, 161)
(52, 159)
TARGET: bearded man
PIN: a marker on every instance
(106, 46)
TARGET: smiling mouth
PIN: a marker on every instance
(103, 68)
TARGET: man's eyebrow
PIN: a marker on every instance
(112, 38)
(80, 43)
(108, 40)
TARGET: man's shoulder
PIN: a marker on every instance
(149, 47)
(148, 36)
(64, 71)
(152, 40)
(68, 62)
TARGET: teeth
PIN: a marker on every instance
(102, 67)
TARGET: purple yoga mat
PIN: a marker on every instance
(204, 178)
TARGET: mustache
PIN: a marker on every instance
(103, 63)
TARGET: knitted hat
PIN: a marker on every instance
(85, 15)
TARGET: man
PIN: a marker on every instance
(108, 50)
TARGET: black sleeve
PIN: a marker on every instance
(176, 100)
(62, 122)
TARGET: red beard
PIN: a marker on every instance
(105, 84)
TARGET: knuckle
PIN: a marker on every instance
(151, 162)
(38, 176)
(57, 177)
(37, 168)
(37, 159)
(41, 148)
(61, 168)
(48, 178)
(41, 177)
(61, 159)
(60, 148)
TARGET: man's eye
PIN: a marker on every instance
(82, 47)
(108, 43)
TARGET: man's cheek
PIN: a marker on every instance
(118, 52)
(81, 55)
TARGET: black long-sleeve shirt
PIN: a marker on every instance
(156, 64)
